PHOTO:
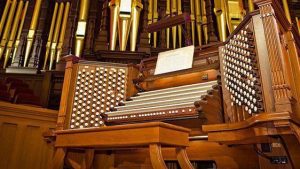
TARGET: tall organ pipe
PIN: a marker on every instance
(63, 31)
(48, 46)
(7, 27)
(32, 29)
(13, 33)
(4, 14)
(20, 31)
(56, 34)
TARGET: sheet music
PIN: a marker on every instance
(175, 60)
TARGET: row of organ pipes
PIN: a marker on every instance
(124, 22)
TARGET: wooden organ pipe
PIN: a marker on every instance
(155, 17)
(204, 21)
(17, 42)
(179, 26)
(48, 46)
(137, 6)
(168, 8)
(32, 29)
(81, 26)
(114, 17)
(174, 28)
(287, 10)
(7, 27)
(4, 15)
(198, 21)
(251, 5)
(192, 5)
(63, 31)
(13, 33)
(56, 34)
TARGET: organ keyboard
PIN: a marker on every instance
(105, 93)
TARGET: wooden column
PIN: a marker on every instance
(70, 61)
(280, 86)
(144, 45)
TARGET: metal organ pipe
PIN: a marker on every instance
(7, 27)
(4, 14)
(48, 46)
(32, 29)
(56, 34)
(17, 42)
(63, 31)
(13, 33)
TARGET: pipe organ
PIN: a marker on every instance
(239, 98)
(126, 24)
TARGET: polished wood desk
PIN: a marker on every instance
(153, 135)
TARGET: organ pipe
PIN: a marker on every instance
(63, 31)
(4, 14)
(174, 28)
(13, 33)
(204, 21)
(251, 5)
(198, 21)
(179, 26)
(287, 10)
(150, 16)
(20, 30)
(123, 27)
(155, 17)
(56, 35)
(168, 7)
(48, 46)
(32, 29)
(7, 27)
(81, 27)
(192, 5)
(114, 16)
(137, 6)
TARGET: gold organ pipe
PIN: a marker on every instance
(221, 18)
(63, 31)
(4, 14)
(174, 28)
(150, 16)
(20, 31)
(48, 46)
(32, 29)
(56, 34)
(137, 6)
(168, 5)
(124, 28)
(192, 5)
(81, 27)
(179, 26)
(7, 27)
(251, 5)
(155, 17)
(198, 21)
(114, 16)
(287, 10)
(13, 33)
(298, 24)
(204, 21)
